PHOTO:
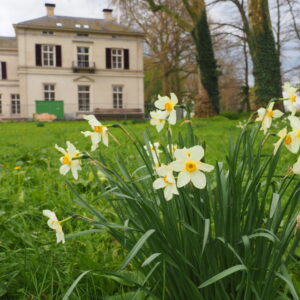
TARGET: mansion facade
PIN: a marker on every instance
(71, 67)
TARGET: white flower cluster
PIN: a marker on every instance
(291, 139)
(165, 112)
(187, 164)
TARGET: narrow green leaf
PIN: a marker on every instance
(289, 284)
(206, 232)
(77, 234)
(72, 287)
(150, 259)
(136, 248)
(223, 274)
(274, 204)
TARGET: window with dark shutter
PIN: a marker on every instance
(108, 58)
(58, 56)
(38, 54)
(3, 70)
(126, 59)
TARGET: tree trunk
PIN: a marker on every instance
(206, 60)
(266, 64)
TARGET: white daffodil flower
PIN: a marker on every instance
(290, 93)
(67, 160)
(99, 132)
(265, 116)
(166, 181)
(158, 119)
(296, 167)
(154, 152)
(168, 105)
(189, 166)
(289, 141)
(295, 133)
(53, 223)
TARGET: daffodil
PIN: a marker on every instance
(70, 160)
(295, 133)
(290, 93)
(154, 152)
(99, 132)
(53, 223)
(288, 140)
(167, 105)
(190, 167)
(18, 168)
(265, 116)
(158, 119)
(166, 181)
(296, 167)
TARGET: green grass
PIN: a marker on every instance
(32, 266)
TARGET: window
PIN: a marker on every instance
(77, 25)
(48, 32)
(82, 34)
(117, 96)
(117, 58)
(82, 56)
(15, 104)
(49, 92)
(83, 98)
(0, 104)
(3, 72)
(59, 24)
(48, 55)
(86, 26)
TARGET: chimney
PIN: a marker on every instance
(50, 9)
(107, 14)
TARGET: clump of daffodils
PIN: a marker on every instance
(100, 132)
(165, 111)
(54, 224)
(70, 160)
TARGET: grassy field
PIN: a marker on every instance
(32, 266)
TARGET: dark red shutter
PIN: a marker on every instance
(58, 56)
(108, 58)
(3, 68)
(38, 54)
(126, 59)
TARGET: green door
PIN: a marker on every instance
(50, 107)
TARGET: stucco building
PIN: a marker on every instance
(71, 66)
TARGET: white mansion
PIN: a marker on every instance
(70, 67)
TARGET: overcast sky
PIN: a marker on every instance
(15, 11)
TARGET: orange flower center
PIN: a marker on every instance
(293, 98)
(270, 113)
(287, 139)
(166, 179)
(190, 166)
(98, 129)
(66, 159)
(169, 106)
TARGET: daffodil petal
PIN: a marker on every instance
(159, 183)
(183, 179)
(198, 179)
(64, 169)
(205, 167)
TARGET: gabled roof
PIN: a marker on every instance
(8, 42)
(63, 23)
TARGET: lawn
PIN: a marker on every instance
(32, 265)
